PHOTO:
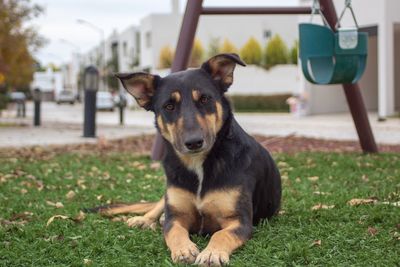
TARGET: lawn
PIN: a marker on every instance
(334, 233)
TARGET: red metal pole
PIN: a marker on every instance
(182, 55)
(353, 93)
(256, 10)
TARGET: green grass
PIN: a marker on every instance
(287, 240)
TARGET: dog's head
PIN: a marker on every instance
(188, 105)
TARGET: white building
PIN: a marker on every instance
(380, 85)
(50, 83)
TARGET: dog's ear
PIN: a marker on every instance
(221, 68)
(141, 85)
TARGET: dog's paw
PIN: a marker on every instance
(185, 254)
(210, 257)
(142, 222)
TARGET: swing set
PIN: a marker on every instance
(329, 54)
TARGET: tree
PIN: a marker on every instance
(294, 53)
(276, 52)
(197, 55)
(166, 57)
(17, 41)
(251, 52)
(214, 46)
(228, 47)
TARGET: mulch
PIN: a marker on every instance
(142, 145)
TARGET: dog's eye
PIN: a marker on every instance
(204, 99)
(169, 107)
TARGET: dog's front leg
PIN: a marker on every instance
(176, 236)
(223, 243)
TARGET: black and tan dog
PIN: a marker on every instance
(220, 181)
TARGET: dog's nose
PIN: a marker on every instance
(194, 143)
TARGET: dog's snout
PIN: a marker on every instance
(194, 143)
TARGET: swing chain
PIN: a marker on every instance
(347, 5)
(316, 9)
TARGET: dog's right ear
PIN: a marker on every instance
(141, 85)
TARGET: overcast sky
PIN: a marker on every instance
(60, 16)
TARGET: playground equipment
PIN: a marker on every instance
(339, 55)
(194, 9)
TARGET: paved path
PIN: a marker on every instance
(62, 124)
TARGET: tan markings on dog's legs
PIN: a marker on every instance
(181, 247)
(176, 96)
(181, 203)
(149, 220)
(195, 95)
(220, 205)
(221, 245)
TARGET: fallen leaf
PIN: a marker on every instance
(317, 243)
(58, 205)
(80, 217)
(87, 262)
(313, 178)
(62, 217)
(372, 231)
(70, 195)
(361, 201)
(320, 206)
(23, 191)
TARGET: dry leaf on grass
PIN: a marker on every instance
(70, 195)
(320, 206)
(80, 217)
(361, 201)
(317, 243)
(372, 231)
(58, 205)
(322, 193)
(62, 217)
(313, 178)
(155, 165)
(394, 204)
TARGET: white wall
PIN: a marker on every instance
(164, 30)
(127, 50)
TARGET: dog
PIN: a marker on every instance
(220, 181)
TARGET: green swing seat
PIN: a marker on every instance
(324, 61)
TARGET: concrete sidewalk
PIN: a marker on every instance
(63, 125)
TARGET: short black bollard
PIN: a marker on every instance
(37, 99)
(91, 85)
(121, 105)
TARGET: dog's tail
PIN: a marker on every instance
(114, 209)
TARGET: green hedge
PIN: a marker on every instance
(260, 103)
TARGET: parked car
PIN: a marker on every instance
(105, 101)
(66, 97)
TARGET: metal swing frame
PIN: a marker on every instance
(194, 9)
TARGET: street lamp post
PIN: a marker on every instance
(37, 99)
(103, 41)
(91, 85)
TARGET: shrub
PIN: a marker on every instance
(214, 46)
(197, 55)
(294, 53)
(166, 57)
(251, 52)
(228, 47)
(260, 103)
(276, 52)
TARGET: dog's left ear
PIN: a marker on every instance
(221, 68)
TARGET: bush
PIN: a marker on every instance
(196, 58)
(214, 47)
(260, 103)
(276, 52)
(294, 53)
(166, 57)
(251, 52)
(228, 47)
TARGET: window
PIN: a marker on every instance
(267, 34)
